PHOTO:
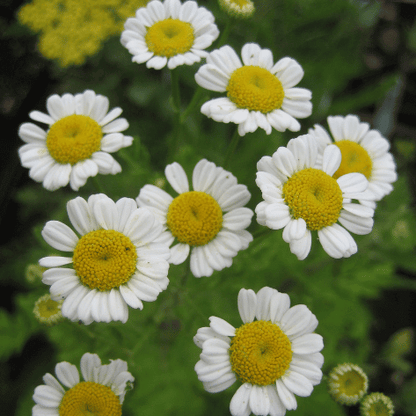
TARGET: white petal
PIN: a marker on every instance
(247, 303)
(81, 216)
(307, 344)
(297, 384)
(264, 296)
(179, 253)
(259, 400)
(239, 405)
(177, 178)
(221, 327)
(331, 159)
(279, 304)
(286, 396)
(54, 261)
(89, 364)
(336, 241)
(67, 374)
(59, 236)
(302, 246)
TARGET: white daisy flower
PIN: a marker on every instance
(259, 92)
(80, 136)
(363, 150)
(301, 196)
(208, 222)
(101, 393)
(169, 33)
(275, 354)
(120, 260)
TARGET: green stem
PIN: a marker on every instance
(231, 148)
(192, 104)
(225, 33)
(176, 106)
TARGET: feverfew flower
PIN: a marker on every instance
(80, 137)
(301, 196)
(363, 150)
(48, 311)
(260, 93)
(169, 33)
(347, 384)
(238, 8)
(376, 404)
(275, 354)
(101, 393)
(208, 222)
(120, 259)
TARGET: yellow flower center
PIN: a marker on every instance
(240, 3)
(354, 159)
(90, 399)
(48, 307)
(194, 218)
(74, 138)
(104, 259)
(256, 89)
(260, 353)
(170, 37)
(315, 196)
(351, 383)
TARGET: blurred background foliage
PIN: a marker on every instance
(359, 57)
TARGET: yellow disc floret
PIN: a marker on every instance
(90, 399)
(354, 159)
(260, 353)
(194, 218)
(74, 138)
(170, 37)
(315, 196)
(104, 259)
(256, 89)
(347, 384)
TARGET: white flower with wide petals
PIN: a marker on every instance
(363, 150)
(169, 33)
(260, 93)
(208, 222)
(120, 260)
(300, 195)
(282, 336)
(103, 388)
(81, 135)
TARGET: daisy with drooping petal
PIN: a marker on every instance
(376, 404)
(101, 393)
(238, 8)
(347, 384)
(208, 222)
(81, 135)
(120, 260)
(363, 150)
(169, 33)
(260, 93)
(275, 354)
(301, 196)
